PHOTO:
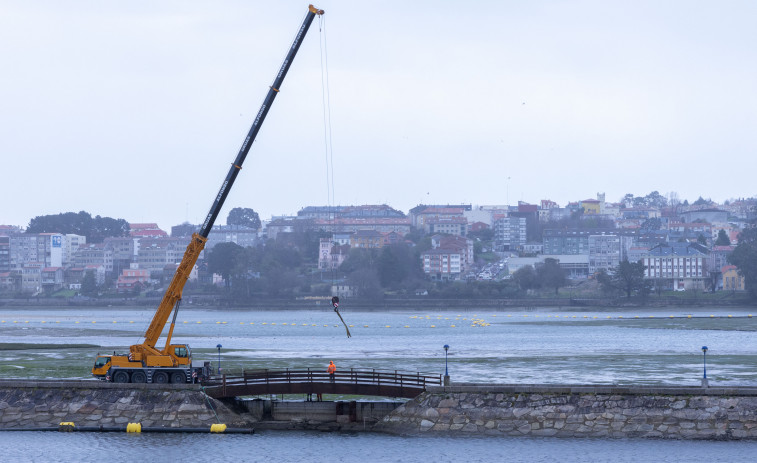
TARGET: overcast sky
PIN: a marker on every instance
(135, 109)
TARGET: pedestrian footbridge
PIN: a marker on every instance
(348, 382)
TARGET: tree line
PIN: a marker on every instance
(96, 228)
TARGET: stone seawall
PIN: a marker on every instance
(579, 411)
(32, 404)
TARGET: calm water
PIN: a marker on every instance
(540, 346)
(326, 447)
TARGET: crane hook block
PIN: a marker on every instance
(315, 10)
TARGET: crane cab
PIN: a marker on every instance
(101, 367)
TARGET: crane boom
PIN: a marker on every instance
(146, 352)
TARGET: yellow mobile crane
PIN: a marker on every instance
(146, 362)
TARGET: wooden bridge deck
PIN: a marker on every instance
(352, 382)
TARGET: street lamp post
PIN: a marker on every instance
(446, 369)
(219, 358)
(705, 383)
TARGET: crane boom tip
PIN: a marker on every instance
(315, 10)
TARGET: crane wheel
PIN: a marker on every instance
(178, 377)
(160, 377)
(121, 377)
(138, 377)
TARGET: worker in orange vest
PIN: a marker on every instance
(331, 370)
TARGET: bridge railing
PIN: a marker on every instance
(351, 376)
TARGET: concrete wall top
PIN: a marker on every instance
(91, 384)
(593, 389)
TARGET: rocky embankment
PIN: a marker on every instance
(579, 411)
(31, 404)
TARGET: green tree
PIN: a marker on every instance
(550, 274)
(655, 199)
(358, 259)
(225, 259)
(245, 217)
(606, 284)
(525, 278)
(485, 234)
(629, 277)
(366, 281)
(651, 224)
(398, 264)
(722, 239)
(95, 229)
(744, 257)
(89, 284)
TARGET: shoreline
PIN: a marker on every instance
(446, 305)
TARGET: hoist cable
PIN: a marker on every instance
(329, 148)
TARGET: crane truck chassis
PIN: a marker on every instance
(146, 363)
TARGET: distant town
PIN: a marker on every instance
(634, 247)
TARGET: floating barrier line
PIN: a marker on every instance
(474, 321)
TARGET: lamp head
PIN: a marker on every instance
(446, 347)
(704, 349)
(219, 346)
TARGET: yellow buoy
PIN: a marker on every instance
(217, 427)
(66, 426)
(134, 427)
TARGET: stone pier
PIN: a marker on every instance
(579, 411)
(34, 404)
